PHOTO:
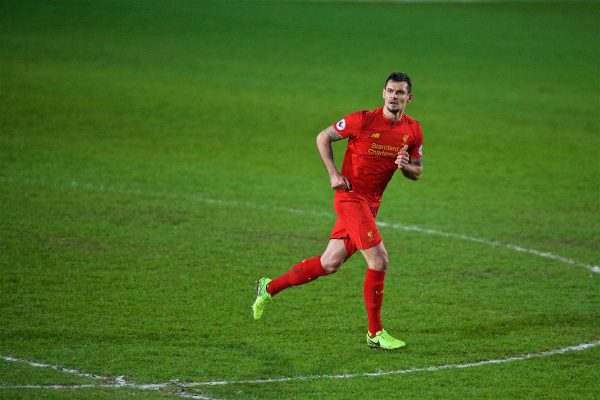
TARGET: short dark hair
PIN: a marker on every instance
(399, 77)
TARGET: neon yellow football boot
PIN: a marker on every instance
(262, 297)
(383, 340)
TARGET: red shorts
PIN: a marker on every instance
(355, 223)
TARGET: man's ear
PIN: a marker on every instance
(410, 97)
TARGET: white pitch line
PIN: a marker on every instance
(433, 368)
(186, 395)
(57, 387)
(413, 228)
(54, 367)
(116, 383)
(154, 387)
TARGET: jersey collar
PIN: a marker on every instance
(400, 121)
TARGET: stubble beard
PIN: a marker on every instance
(395, 112)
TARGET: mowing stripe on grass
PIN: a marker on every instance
(157, 386)
(234, 203)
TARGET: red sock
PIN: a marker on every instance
(305, 271)
(373, 292)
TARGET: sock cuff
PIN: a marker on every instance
(319, 262)
(374, 274)
(316, 265)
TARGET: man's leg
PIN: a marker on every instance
(377, 261)
(311, 268)
(308, 270)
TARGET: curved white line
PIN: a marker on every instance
(60, 387)
(413, 228)
(54, 367)
(433, 368)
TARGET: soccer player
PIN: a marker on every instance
(380, 142)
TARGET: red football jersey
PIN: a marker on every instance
(373, 145)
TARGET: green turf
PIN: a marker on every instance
(156, 158)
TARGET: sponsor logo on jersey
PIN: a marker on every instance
(385, 150)
(375, 135)
(341, 124)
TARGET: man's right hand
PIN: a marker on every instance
(340, 182)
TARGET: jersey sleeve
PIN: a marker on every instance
(350, 125)
(415, 150)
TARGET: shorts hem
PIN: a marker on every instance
(371, 245)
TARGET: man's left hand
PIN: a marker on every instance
(403, 158)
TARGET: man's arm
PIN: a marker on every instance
(324, 139)
(411, 169)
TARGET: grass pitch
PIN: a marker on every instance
(157, 158)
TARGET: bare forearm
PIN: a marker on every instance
(324, 140)
(412, 171)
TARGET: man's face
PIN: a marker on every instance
(396, 96)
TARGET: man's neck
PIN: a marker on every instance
(391, 116)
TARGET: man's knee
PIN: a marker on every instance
(331, 263)
(378, 260)
(334, 256)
